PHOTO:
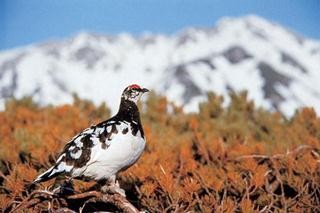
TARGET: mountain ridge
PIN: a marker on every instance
(278, 67)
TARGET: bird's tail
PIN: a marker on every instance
(50, 173)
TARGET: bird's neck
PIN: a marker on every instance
(128, 111)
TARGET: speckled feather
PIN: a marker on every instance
(101, 151)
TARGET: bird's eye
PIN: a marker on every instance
(134, 92)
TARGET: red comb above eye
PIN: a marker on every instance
(134, 86)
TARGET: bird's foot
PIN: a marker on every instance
(113, 189)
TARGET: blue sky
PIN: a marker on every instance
(27, 21)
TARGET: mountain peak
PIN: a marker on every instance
(277, 67)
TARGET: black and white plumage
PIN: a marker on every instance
(101, 151)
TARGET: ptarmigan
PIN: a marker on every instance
(103, 150)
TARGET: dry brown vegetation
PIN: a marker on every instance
(234, 159)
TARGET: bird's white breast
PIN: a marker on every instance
(123, 150)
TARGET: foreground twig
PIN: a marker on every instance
(276, 156)
(32, 201)
(40, 196)
(116, 199)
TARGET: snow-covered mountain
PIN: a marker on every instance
(280, 69)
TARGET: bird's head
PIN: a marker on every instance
(133, 93)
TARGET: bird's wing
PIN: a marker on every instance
(78, 151)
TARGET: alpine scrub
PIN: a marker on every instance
(235, 158)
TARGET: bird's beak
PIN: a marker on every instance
(144, 90)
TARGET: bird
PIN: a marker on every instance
(101, 151)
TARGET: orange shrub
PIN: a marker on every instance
(238, 158)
